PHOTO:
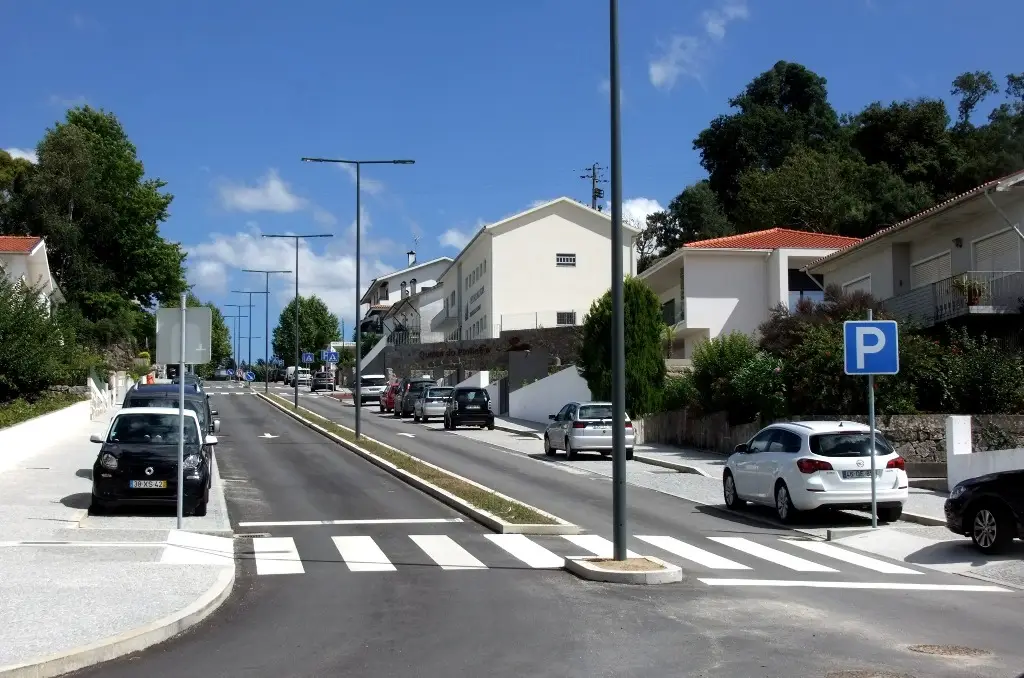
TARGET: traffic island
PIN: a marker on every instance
(640, 570)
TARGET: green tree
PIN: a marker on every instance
(15, 174)
(716, 363)
(220, 347)
(694, 214)
(645, 364)
(318, 327)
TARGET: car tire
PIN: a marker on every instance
(992, 528)
(490, 425)
(548, 450)
(98, 509)
(629, 454)
(416, 418)
(784, 509)
(382, 407)
(890, 514)
(569, 452)
(732, 498)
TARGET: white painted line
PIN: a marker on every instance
(771, 555)
(885, 585)
(362, 554)
(527, 550)
(366, 521)
(830, 551)
(692, 553)
(277, 555)
(407, 435)
(596, 544)
(443, 550)
(191, 548)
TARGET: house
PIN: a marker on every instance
(539, 268)
(385, 290)
(713, 287)
(23, 259)
(961, 257)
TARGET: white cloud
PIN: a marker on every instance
(323, 217)
(455, 238)
(209, 275)
(23, 153)
(639, 209)
(686, 55)
(271, 194)
(366, 185)
(716, 20)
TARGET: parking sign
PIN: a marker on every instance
(871, 347)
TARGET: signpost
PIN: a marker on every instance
(250, 376)
(183, 335)
(871, 347)
(330, 356)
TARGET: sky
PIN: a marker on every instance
(501, 104)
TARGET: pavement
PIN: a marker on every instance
(75, 588)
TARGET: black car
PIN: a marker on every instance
(408, 391)
(469, 406)
(138, 462)
(321, 380)
(988, 509)
(166, 395)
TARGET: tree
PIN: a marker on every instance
(694, 214)
(318, 327)
(220, 347)
(645, 365)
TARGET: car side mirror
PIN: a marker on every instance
(95, 438)
(552, 417)
(210, 440)
(742, 448)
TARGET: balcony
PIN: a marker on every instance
(541, 319)
(970, 293)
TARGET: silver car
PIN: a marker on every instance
(580, 427)
(431, 403)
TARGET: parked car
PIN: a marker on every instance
(321, 380)
(584, 427)
(988, 509)
(371, 386)
(166, 395)
(407, 392)
(138, 461)
(468, 406)
(387, 398)
(431, 403)
(807, 465)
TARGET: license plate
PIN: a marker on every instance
(147, 484)
(848, 475)
(472, 407)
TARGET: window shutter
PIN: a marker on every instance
(930, 271)
(1000, 252)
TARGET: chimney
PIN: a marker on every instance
(412, 257)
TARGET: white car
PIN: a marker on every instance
(807, 465)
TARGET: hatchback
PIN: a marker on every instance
(387, 398)
(321, 380)
(989, 509)
(584, 427)
(468, 406)
(432, 403)
(807, 465)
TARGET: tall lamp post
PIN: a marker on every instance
(297, 238)
(248, 355)
(266, 312)
(235, 344)
(359, 330)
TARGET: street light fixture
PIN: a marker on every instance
(297, 238)
(248, 355)
(266, 332)
(235, 342)
(358, 395)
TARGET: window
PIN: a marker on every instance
(412, 284)
(682, 295)
(760, 442)
(565, 318)
(853, 444)
(151, 428)
(565, 260)
(930, 271)
(485, 266)
(816, 297)
(405, 292)
(668, 312)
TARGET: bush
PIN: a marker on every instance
(679, 392)
(32, 343)
(144, 355)
(983, 377)
(761, 384)
(715, 364)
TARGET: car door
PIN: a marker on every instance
(778, 455)
(745, 465)
(556, 432)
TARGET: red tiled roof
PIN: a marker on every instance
(776, 238)
(18, 244)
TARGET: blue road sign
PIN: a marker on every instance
(871, 347)
(331, 356)
(307, 357)
(250, 376)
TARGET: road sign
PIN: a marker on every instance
(198, 333)
(240, 372)
(250, 376)
(330, 356)
(307, 357)
(871, 347)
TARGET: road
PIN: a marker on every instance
(306, 604)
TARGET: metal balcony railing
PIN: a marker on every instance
(970, 292)
(538, 319)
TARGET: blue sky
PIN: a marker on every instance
(501, 104)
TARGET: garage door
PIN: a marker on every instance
(861, 285)
(999, 252)
(930, 271)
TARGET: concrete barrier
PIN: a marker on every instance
(22, 440)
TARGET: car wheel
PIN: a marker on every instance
(732, 499)
(416, 418)
(890, 514)
(490, 425)
(569, 452)
(382, 407)
(548, 450)
(784, 508)
(629, 454)
(992, 528)
(98, 509)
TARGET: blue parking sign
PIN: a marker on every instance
(871, 347)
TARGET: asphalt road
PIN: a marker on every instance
(505, 619)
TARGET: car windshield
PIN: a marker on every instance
(159, 429)
(373, 381)
(167, 401)
(439, 392)
(595, 412)
(848, 444)
(477, 395)
(321, 375)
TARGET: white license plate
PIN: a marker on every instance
(472, 407)
(147, 484)
(849, 475)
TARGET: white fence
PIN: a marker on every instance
(104, 398)
(963, 463)
(534, 402)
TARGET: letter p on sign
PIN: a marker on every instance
(871, 347)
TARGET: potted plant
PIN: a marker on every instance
(972, 290)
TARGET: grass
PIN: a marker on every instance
(19, 410)
(507, 510)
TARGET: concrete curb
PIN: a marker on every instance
(129, 641)
(486, 519)
(585, 568)
(922, 519)
(509, 429)
(682, 468)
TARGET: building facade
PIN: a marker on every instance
(24, 260)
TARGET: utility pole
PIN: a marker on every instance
(596, 193)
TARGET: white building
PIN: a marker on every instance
(23, 259)
(386, 290)
(540, 268)
(714, 287)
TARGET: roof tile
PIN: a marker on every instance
(18, 244)
(775, 238)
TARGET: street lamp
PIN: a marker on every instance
(359, 330)
(248, 355)
(234, 339)
(266, 332)
(235, 343)
(297, 238)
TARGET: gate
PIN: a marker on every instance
(503, 397)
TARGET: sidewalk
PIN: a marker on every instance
(87, 589)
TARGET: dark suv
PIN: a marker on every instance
(988, 509)
(407, 393)
(321, 380)
(469, 406)
(166, 395)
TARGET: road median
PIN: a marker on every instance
(491, 509)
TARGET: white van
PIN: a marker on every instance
(304, 376)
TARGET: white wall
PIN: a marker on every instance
(536, 401)
(477, 380)
(726, 292)
(963, 463)
(425, 276)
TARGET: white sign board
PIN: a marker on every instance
(198, 335)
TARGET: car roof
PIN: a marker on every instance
(374, 376)
(813, 427)
(165, 388)
(155, 410)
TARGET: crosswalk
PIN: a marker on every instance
(469, 552)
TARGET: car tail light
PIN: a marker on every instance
(629, 424)
(897, 462)
(579, 424)
(812, 465)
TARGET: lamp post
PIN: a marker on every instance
(358, 395)
(248, 355)
(266, 332)
(297, 356)
(234, 335)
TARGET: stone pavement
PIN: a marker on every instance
(69, 580)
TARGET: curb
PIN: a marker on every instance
(585, 568)
(682, 468)
(129, 641)
(486, 519)
(518, 431)
(922, 520)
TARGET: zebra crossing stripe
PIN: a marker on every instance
(527, 550)
(277, 555)
(444, 551)
(692, 553)
(361, 554)
(596, 544)
(832, 551)
(763, 552)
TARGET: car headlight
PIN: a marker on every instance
(108, 461)
(192, 461)
(957, 491)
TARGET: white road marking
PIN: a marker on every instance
(885, 585)
(596, 544)
(692, 553)
(190, 548)
(527, 550)
(277, 555)
(407, 435)
(366, 521)
(851, 557)
(267, 435)
(771, 555)
(362, 554)
(443, 550)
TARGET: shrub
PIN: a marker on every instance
(983, 377)
(144, 355)
(715, 364)
(32, 343)
(761, 384)
(679, 392)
